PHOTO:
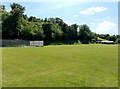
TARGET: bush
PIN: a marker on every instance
(61, 42)
(118, 41)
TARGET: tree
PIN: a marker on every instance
(73, 35)
(37, 28)
(58, 20)
(33, 19)
(16, 15)
(107, 36)
(85, 34)
(6, 29)
(57, 32)
(16, 25)
(112, 38)
(64, 27)
(31, 30)
(11, 22)
(51, 31)
(118, 40)
(2, 8)
(18, 8)
(25, 17)
(45, 20)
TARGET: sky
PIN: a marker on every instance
(101, 17)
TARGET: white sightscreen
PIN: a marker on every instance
(36, 43)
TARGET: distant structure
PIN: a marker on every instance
(107, 42)
(36, 43)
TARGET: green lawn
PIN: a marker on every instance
(61, 66)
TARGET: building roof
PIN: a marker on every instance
(107, 41)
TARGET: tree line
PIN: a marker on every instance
(17, 25)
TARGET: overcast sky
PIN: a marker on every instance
(101, 17)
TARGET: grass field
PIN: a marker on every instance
(61, 66)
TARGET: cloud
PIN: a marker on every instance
(60, 5)
(93, 10)
(93, 23)
(106, 27)
(75, 16)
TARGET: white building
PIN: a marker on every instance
(107, 42)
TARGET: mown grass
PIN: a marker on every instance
(61, 66)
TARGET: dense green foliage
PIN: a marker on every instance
(92, 65)
(17, 25)
(86, 35)
(108, 37)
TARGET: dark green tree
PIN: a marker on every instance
(33, 19)
(51, 31)
(11, 22)
(112, 38)
(85, 34)
(73, 34)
